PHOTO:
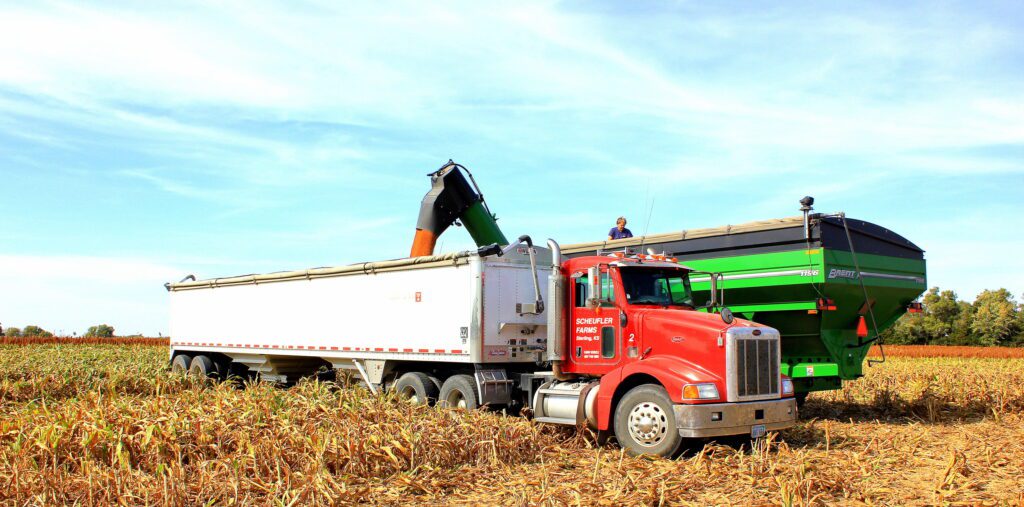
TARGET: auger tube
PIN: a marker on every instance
(452, 198)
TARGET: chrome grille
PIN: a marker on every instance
(757, 367)
(752, 364)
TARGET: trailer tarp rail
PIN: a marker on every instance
(362, 268)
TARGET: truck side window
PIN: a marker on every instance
(607, 342)
(581, 291)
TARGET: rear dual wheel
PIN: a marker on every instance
(180, 364)
(417, 388)
(198, 366)
(459, 391)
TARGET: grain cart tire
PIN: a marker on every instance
(459, 391)
(801, 398)
(202, 367)
(416, 387)
(645, 422)
(180, 364)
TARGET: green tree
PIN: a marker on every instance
(908, 330)
(996, 318)
(1019, 339)
(36, 331)
(12, 332)
(946, 320)
(100, 331)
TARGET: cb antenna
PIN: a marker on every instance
(650, 211)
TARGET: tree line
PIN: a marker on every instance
(98, 331)
(993, 319)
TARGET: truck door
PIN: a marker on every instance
(594, 332)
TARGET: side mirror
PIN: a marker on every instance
(594, 277)
(727, 316)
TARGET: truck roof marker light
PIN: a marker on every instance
(674, 259)
(862, 327)
(826, 304)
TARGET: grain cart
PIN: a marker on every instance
(830, 284)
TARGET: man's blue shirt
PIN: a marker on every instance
(615, 233)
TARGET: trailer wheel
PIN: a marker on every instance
(645, 422)
(416, 387)
(459, 391)
(180, 364)
(202, 367)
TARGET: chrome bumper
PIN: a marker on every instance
(695, 421)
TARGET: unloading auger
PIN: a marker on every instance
(453, 200)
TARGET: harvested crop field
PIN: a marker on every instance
(103, 424)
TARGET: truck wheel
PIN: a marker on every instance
(416, 387)
(645, 422)
(180, 364)
(459, 391)
(801, 398)
(202, 367)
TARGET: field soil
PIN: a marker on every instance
(102, 424)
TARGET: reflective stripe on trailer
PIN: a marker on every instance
(312, 347)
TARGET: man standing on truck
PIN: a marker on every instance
(620, 231)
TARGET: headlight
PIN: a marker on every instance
(787, 386)
(700, 392)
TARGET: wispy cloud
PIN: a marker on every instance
(269, 134)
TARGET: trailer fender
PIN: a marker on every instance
(670, 372)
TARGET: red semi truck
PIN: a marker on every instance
(617, 340)
(614, 342)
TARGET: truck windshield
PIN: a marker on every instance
(656, 286)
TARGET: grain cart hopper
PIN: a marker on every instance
(614, 342)
(828, 283)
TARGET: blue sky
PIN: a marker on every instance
(142, 143)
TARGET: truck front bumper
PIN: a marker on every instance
(721, 419)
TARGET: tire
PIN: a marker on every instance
(202, 367)
(417, 387)
(459, 391)
(645, 423)
(180, 364)
(801, 398)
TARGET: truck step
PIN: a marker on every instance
(556, 420)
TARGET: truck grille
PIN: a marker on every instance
(758, 367)
(754, 365)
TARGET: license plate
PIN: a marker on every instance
(757, 431)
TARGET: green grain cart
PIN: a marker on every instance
(828, 283)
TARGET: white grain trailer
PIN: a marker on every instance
(405, 323)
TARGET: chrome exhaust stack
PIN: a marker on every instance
(556, 310)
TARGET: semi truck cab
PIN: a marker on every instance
(641, 361)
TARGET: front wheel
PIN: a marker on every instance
(645, 422)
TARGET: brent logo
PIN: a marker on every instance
(842, 273)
